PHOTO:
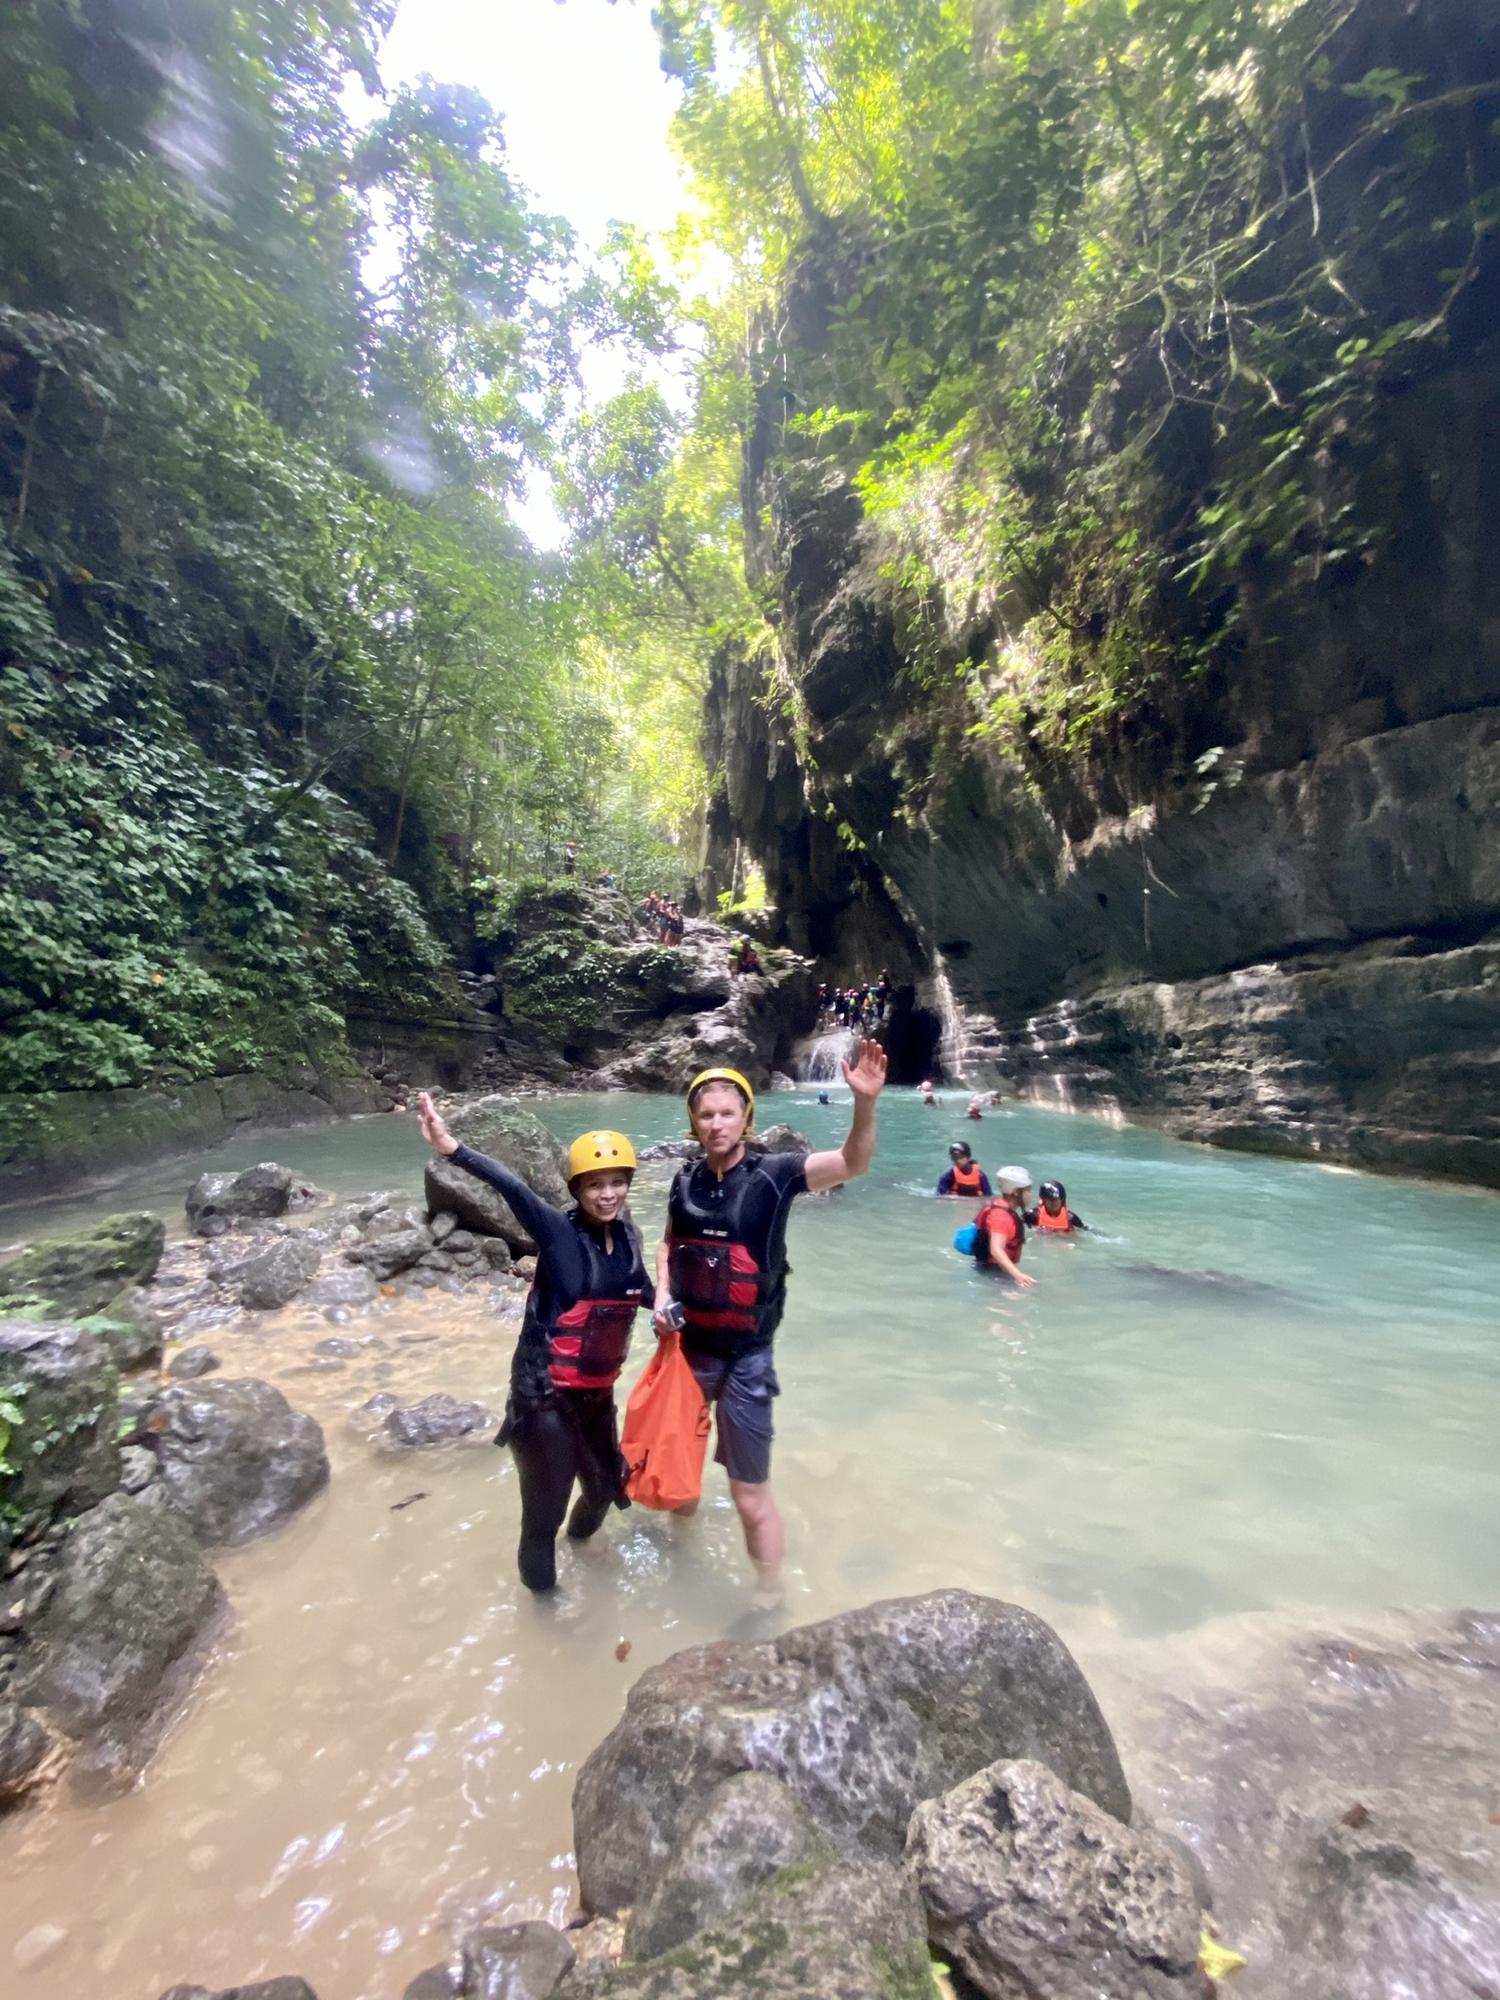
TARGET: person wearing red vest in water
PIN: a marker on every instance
(965, 1176)
(723, 1262)
(1052, 1214)
(590, 1283)
(1001, 1226)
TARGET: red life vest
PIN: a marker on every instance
(966, 1180)
(587, 1344)
(998, 1218)
(1061, 1223)
(725, 1264)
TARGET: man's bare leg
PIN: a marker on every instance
(765, 1537)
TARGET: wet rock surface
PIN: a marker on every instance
(134, 1599)
(215, 1202)
(234, 1459)
(850, 1931)
(1342, 1797)
(751, 1828)
(278, 1273)
(190, 1363)
(863, 1717)
(83, 1273)
(436, 1420)
(65, 1441)
(23, 1745)
(519, 1962)
(265, 1989)
(1030, 1888)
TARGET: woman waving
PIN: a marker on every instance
(590, 1283)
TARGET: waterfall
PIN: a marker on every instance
(822, 1054)
(953, 1043)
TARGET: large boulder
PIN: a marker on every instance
(1342, 1794)
(1030, 1888)
(134, 1600)
(64, 1384)
(863, 1717)
(235, 1459)
(501, 1128)
(80, 1274)
(849, 1931)
(278, 1273)
(750, 1829)
(215, 1202)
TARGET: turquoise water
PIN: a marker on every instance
(1261, 1395)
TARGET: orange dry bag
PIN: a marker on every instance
(666, 1431)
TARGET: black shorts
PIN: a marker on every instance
(741, 1391)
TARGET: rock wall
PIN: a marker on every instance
(1262, 907)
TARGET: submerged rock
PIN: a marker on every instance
(435, 1420)
(264, 1989)
(80, 1274)
(278, 1274)
(215, 1202)
(235, 1459)
(133, 1600)
(1030, 1888)
(862, 1716)
(1342, 1798)
(191, 1363)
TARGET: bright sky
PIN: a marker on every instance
(586, 112)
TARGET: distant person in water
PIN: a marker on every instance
(824, 1098)
(1052, 1215)
(976, 1109)
(590, 1283)
(927, 1092)
(965, 1176)
(723, 1260)
(1001, 1226)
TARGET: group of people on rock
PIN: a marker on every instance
(719, 1286)
(862, 1007)
(997, 1235)
(663, 918)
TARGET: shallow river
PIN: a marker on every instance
(1261, 1393)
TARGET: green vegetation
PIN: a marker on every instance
(278, 677)
(1100, 307)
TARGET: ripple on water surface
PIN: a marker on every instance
(1262, 1391)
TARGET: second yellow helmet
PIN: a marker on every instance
(598, 1152)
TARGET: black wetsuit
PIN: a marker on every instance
(560, 1435)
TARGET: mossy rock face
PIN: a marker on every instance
(62, 1382)
(503, 1129)
(81, 1274)
(841, 1931)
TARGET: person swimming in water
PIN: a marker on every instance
(925, 1088)
(1000, 1227)
(1052, 1215)
(965, 1176)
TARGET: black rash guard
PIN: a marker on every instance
(562, 1266)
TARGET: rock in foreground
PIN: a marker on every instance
(133, 1601)
(435, 1420)
(851, 1931)
(81, 1274)
(863, 1717)
(65, 1443)
(215, 1202)
(235, 1459)
(1030, 1888)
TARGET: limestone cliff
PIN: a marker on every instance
(1259, 904)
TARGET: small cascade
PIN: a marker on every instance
(821, 1055)
(953, 1043)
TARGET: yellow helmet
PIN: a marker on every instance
(595, 1152)
(733, 1076)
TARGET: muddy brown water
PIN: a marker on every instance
(1266, 1396)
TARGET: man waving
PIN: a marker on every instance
(723, 1262)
